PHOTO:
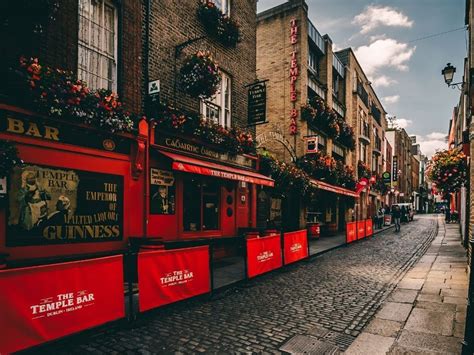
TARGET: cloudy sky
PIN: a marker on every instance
(404, 69)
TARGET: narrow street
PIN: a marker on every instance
(332, 297)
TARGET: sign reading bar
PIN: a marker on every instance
(263, 255)
(168, 276)
(257, 103)
(54, 206)
(61, 132)
(43, 303)
(295, 246)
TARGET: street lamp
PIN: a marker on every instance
(448, 73)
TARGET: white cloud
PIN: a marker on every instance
(432, 142)
(384, 53)
(391, 99)
(400, 123)
(382, 81)
(375, 16)
(436, 135)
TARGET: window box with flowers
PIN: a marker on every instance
(200, 75)
(363, 170)
(59, 94)
(323, 118)
(218, 24)
(232, 140)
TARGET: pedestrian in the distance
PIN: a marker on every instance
(447, 214)
(380, 214)
(396, 214)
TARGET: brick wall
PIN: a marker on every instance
(171, 25)
(57, 47)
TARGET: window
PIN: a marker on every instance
(97, 52)
(200, 204)
(218, 108)
(223, 5)
(363, 152)
(313, 61)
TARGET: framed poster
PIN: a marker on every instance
(162, 192)
(49, 205)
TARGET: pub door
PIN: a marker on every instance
(291, 213)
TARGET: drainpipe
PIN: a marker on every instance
(146, 71)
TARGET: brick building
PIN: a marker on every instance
(367, 117)
(99, 41)
(211, 190)
(401, 163)
(300, 65)
(173, 26)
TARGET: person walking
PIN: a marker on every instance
(380, 214)
(396, 214)
(447, 213)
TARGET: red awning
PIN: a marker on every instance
(202, 167)
(335, 189)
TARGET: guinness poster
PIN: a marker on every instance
(55, 206)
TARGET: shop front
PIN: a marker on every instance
(197, 191)
(330, 208)
(74, 192)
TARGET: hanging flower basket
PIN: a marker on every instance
(200, 75)
(448, 170)
(217, 24)
(8, 158)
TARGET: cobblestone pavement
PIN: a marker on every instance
(331, 297)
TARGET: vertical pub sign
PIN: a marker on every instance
(54, 206)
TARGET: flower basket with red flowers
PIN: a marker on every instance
(58, 93)
(448, 170)
(233, 140)
(363, 170)
(200, 75)
(346, 135)
(218, 25)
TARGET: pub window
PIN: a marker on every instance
(223, 5)
(97, 48)
(200, 204)
(217, 109)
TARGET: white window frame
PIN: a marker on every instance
(220, 102)
(224, 6)
(88, 48)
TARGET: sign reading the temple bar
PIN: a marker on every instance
(61, 132)
(202, 150)
(257, 103)
(293, 74)
(54, 206)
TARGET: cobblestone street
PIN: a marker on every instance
(332, 297)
